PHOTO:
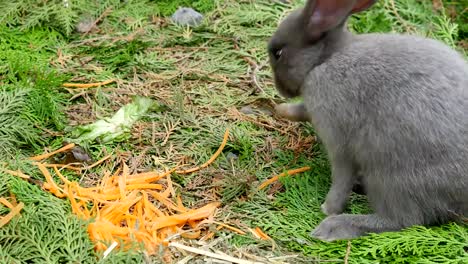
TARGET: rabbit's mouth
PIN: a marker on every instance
(286, 90)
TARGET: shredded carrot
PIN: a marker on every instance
(64, 166)
(196, 214)
(275, 178)
(126, 207)
(164, 201)
(13, 199)
(75, 207)
(14, 211)
(206, 164)
(87, 85)
(191, 235)
(261, 234)
(6, 202)
(144, 186)
(170, 187)
(51, 184)
(57, 171)
(97, 163)
(17, 174)
(180, 204)
(211, 234)
(237, 230)
(47, 155)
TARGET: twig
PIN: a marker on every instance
(254, 68)
(402, 21)
(211, 254)
(101, 17)
(240, 116)
(348, 251)
(109, 250)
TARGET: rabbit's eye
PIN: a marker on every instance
(278, 53)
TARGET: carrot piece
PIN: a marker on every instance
(46, 155)
(52, 186)
(262, 235)
(170, 187)
(75, 207)
(96, 163)
(180, 204)
(17, 174)
(165, 201)
(139, 213)
(237, 230)
(87, 85)
(86, 211)
(65, 166)
(144, 186)
(57, 171)
(197, 214)
(211, 234)
(6, 202)
(275, 178)
(215, 155)
(155, 209)
(13, 212)
(191, 235)
(147, 177)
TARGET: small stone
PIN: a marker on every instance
(231, 156)
(248, 110)
(85, 25)
(187, 16)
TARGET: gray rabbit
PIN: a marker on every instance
(391, 111)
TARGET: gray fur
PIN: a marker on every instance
(293, 112)
(393, 108)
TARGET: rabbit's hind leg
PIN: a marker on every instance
(347, 226)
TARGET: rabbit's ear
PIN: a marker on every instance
(323, 15)
(362, 5)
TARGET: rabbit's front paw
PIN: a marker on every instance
(330, 208)
(336, 227)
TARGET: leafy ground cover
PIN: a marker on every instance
(208, 78)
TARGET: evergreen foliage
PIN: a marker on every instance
(201, 66)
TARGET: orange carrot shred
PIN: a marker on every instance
(57, 171)
(6, 202)
(275, 178)
(237, 230)
(261, 234)
(144, 186)
(51, 184)
(87, 85)
(196, 214)
(14, 211)
(47, 155)
(17, 174)
(191, 235)
(64, 166)
(213, 158)
(96, 163)
(170, 187)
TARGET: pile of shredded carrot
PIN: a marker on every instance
(126, 208)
